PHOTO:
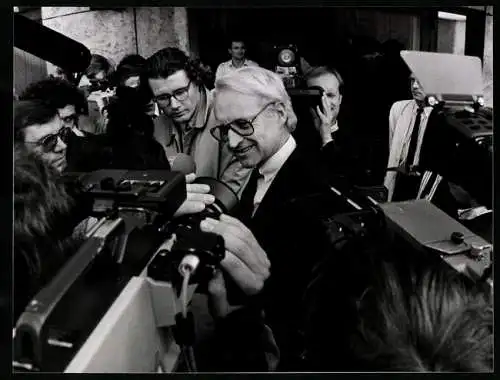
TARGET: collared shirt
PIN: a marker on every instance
(423, 125)
(77, 132)
(401, 120)
(270, 169)
(226, 67)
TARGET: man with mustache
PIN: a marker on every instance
(179, 85)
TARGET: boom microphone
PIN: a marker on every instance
(183, 163)
(62, 51)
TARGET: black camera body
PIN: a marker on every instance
(209, 248)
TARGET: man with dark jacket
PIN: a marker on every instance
(257, 119)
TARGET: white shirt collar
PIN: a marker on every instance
(77, 132)
(274, 163)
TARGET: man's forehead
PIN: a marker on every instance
(177, 80)
(67, 110)
(39, 131)
(230, 106)
(326, 80)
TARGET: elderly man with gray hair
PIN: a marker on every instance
(257, 119)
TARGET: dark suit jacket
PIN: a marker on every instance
(294, 241)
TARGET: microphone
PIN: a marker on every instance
(183, 163)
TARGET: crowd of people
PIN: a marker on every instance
(240, 127)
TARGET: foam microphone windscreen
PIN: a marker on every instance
(47, 44)
(183, 163)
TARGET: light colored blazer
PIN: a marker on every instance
(401, 119)
(211, 158)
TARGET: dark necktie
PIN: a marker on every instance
(248, 195)
(414, 139)
(407, 186)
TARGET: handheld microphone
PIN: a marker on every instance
(183, 163)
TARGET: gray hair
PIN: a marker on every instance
(262, 83)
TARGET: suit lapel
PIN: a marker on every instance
(280, 189)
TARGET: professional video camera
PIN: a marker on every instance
(458, 142)
(133, 264)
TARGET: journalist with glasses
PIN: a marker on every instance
(256, 121)
(180, 90)
(40, 128)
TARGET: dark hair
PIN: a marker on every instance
(42, 238)
(56, 93)
(98, 63)
(236, 38)
(168, 61)
(428, 321)
(28, 113)
(322, 70)
(130, 65)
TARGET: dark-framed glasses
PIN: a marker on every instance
(70, 119)
(49, 142)
(180, 94)
(242, 127)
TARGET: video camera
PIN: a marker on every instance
(458, 142)
(130, 264)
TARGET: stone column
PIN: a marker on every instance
(488, 58)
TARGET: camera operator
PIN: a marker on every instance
(407, 125)
(258, 120)
(179, 88)
(340, 149)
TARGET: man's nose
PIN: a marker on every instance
(174, 103)
(233, 139)
(61, 145)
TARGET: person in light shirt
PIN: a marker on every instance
(237, 51)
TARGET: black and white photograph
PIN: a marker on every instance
(252, 189)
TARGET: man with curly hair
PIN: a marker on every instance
(180, 89)
(62, 95)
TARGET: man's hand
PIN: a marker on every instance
(197, 197)
(324, 120)
(245, 260)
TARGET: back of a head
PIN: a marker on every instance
(261, 83)
(130, 65)
(431, 321)
(56, 93)
(42, 236)
(28, 113)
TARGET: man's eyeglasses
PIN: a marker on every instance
(70, 119)
(49, 142)
(242, 127)
(180, 94)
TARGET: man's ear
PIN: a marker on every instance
(281, 111)
(229, 51)
(340, 99)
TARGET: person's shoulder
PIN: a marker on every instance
(224, 64)
(400, 104)
(249, 62)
